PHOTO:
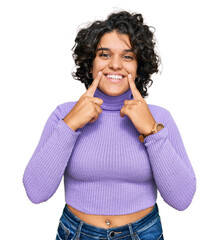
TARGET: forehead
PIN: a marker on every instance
(115, 40)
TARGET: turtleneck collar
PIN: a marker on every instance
(113, 102)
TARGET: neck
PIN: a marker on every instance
(113, 102)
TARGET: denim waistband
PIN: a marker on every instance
(124, 230)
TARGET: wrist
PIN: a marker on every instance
(149, 130)
(72, 126)
(156, 128)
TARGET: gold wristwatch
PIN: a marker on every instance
(157, 127)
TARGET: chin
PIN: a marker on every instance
(114, 92)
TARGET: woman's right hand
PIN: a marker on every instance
(87, 108)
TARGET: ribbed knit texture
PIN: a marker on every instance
(107, 170)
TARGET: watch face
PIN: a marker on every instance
(159, 126)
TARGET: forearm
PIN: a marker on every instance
(46, 167)
(172, 170)
(175, 180)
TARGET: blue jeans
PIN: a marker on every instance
(73, 228)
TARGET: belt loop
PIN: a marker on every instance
(131, 231)
(79, 230)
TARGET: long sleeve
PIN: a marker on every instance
(46, 167)
(171, 167)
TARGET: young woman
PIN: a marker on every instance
(111, 174)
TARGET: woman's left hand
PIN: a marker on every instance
(137, 110)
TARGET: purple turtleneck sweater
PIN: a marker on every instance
(106, 169)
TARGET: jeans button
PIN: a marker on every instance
(112, 234)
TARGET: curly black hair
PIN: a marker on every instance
(142, 40)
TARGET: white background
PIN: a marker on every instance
(36, 64)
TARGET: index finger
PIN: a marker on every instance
(91, 90)
(136, 94)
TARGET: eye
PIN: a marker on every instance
(104, 55)
(128, 57)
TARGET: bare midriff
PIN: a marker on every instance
(114, 220)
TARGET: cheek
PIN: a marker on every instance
(131, 68)
(98, 65)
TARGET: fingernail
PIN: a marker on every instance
(130, 75)
(99, 73)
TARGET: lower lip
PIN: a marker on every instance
(115, 80)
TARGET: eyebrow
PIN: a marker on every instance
(108, 49)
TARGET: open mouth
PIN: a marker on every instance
(114, 78)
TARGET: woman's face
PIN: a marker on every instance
(115, 58)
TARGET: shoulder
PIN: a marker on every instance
(64, 108)
(158, 109)
(160, 114)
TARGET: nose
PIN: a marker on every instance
(115, 62)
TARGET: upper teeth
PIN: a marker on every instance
(114, 76)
